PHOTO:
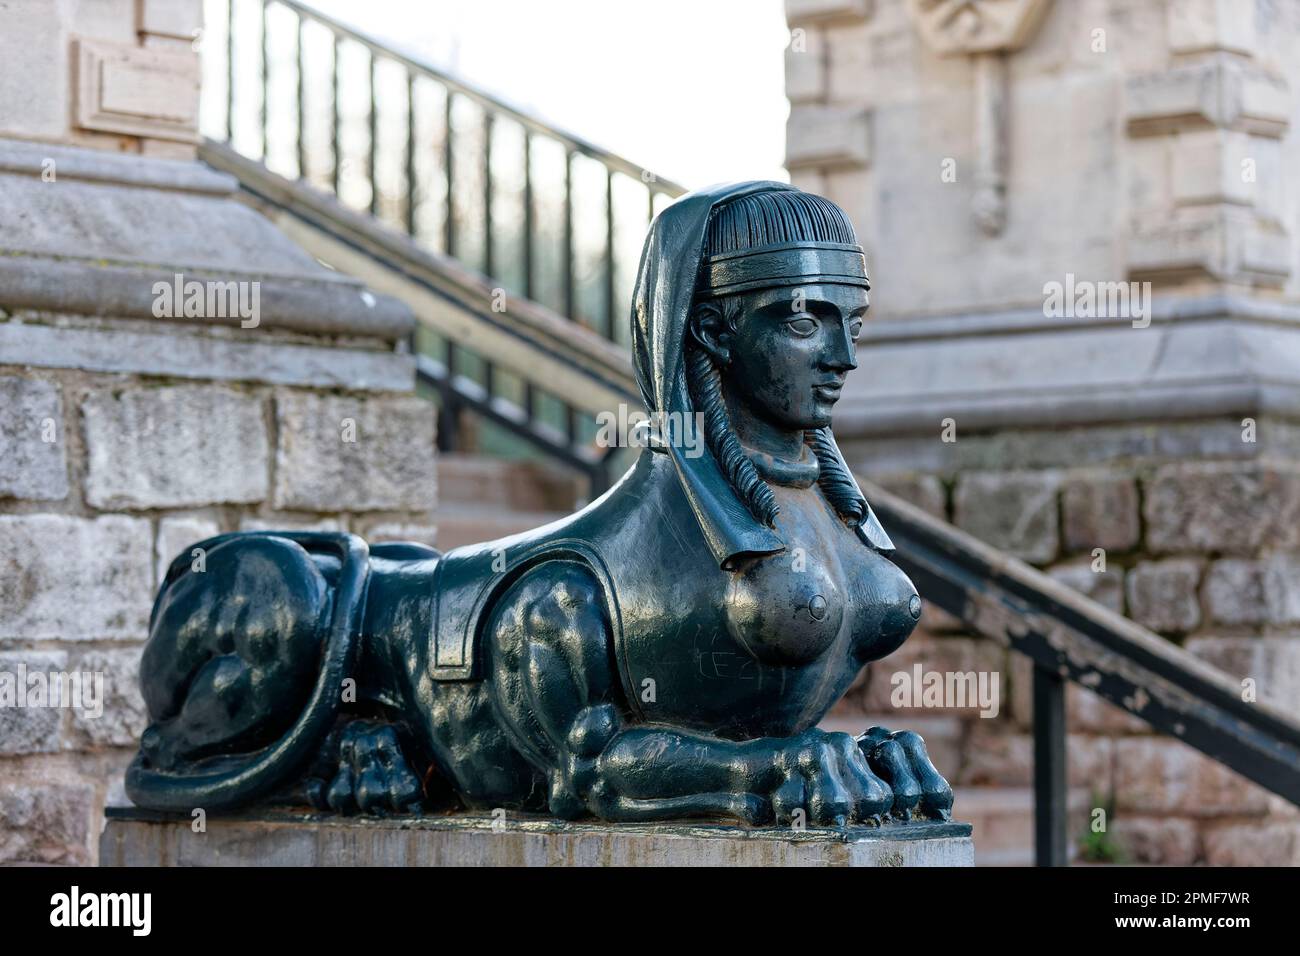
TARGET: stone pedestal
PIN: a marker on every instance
(143, 838)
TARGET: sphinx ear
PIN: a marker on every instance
(711, 331)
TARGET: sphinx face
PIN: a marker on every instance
(792, 350)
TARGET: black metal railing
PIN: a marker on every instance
(542, 214)
(551, 216)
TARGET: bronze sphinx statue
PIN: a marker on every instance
(666, 652)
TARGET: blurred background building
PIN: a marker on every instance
(1084, 349)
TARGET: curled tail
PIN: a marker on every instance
(191, 650)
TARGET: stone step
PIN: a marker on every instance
(1002, 822)
(464, 523)
(505, 484)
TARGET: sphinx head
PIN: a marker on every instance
(780, 301)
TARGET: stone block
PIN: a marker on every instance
(68, 578)
(1162, 595)
(806, 11)
(175, 447)
(828, 136)
(1104, 587)
(1254, 844)
(1234, 508)
(1100, 510)
(925, 491)
(1157, 841)
(26, 729)
(44, 821)
(122, 717)
(392, 531)
(1160, 776)
(1015, 512)
(352, 454)
(1281, 585)
(137, 838)
(1271, 663)
(175, 536)
(891, 684)
(33, 456)
(1233, 592)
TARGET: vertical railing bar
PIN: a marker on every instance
(336, 116)
(530, 402)
(528, 215)
(374, 140)
(448, 157)
(449, 414)
(302, 101)
(571, 424)
(570, 309)
(410, 153)
(266, 81)
(609, 253)
(230, 72)
(489, 378)
(1050, 821)
(650, 205)
(488, 263)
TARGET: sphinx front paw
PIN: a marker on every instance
(901, 760)
(371, 774)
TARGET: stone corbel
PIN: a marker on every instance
(986, 31)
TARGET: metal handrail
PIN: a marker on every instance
(1069, 637)
(493, 110)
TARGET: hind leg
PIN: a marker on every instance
(233, 650)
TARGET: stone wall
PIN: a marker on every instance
(985, 153)
(104, 478)
(1199, 547)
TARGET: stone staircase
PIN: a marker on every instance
(481, 498)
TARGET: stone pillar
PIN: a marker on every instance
(1085, 346)
(135, 418)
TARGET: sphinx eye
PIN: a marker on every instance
(802, 325)
(855, 329)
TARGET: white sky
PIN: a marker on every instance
(691, 89)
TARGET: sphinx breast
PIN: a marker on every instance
(785, 613)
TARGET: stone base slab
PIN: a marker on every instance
(270, 838)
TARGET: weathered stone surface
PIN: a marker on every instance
(123, 716)
(1281, 583)
(33, 456)
(132, 838)
(1013, 511)
(1104, 587)
(348, 454)
(289, 524)
(1254, 844)
(1100, 510)
(1234, 592)
(1161, 841)
(24, 729)
(1234, 508)
(1158, 775)
(42, 821)
(175, 537)
(74, 578)
(1271, 663)
(174, 447)
(993, 755)
(391, 531)
(1162, 595)
(925, 491)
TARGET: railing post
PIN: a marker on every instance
(230, 72)
(302, 102)
(266, 84)
(1050, 824)
(336, 118)
(373, 160)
